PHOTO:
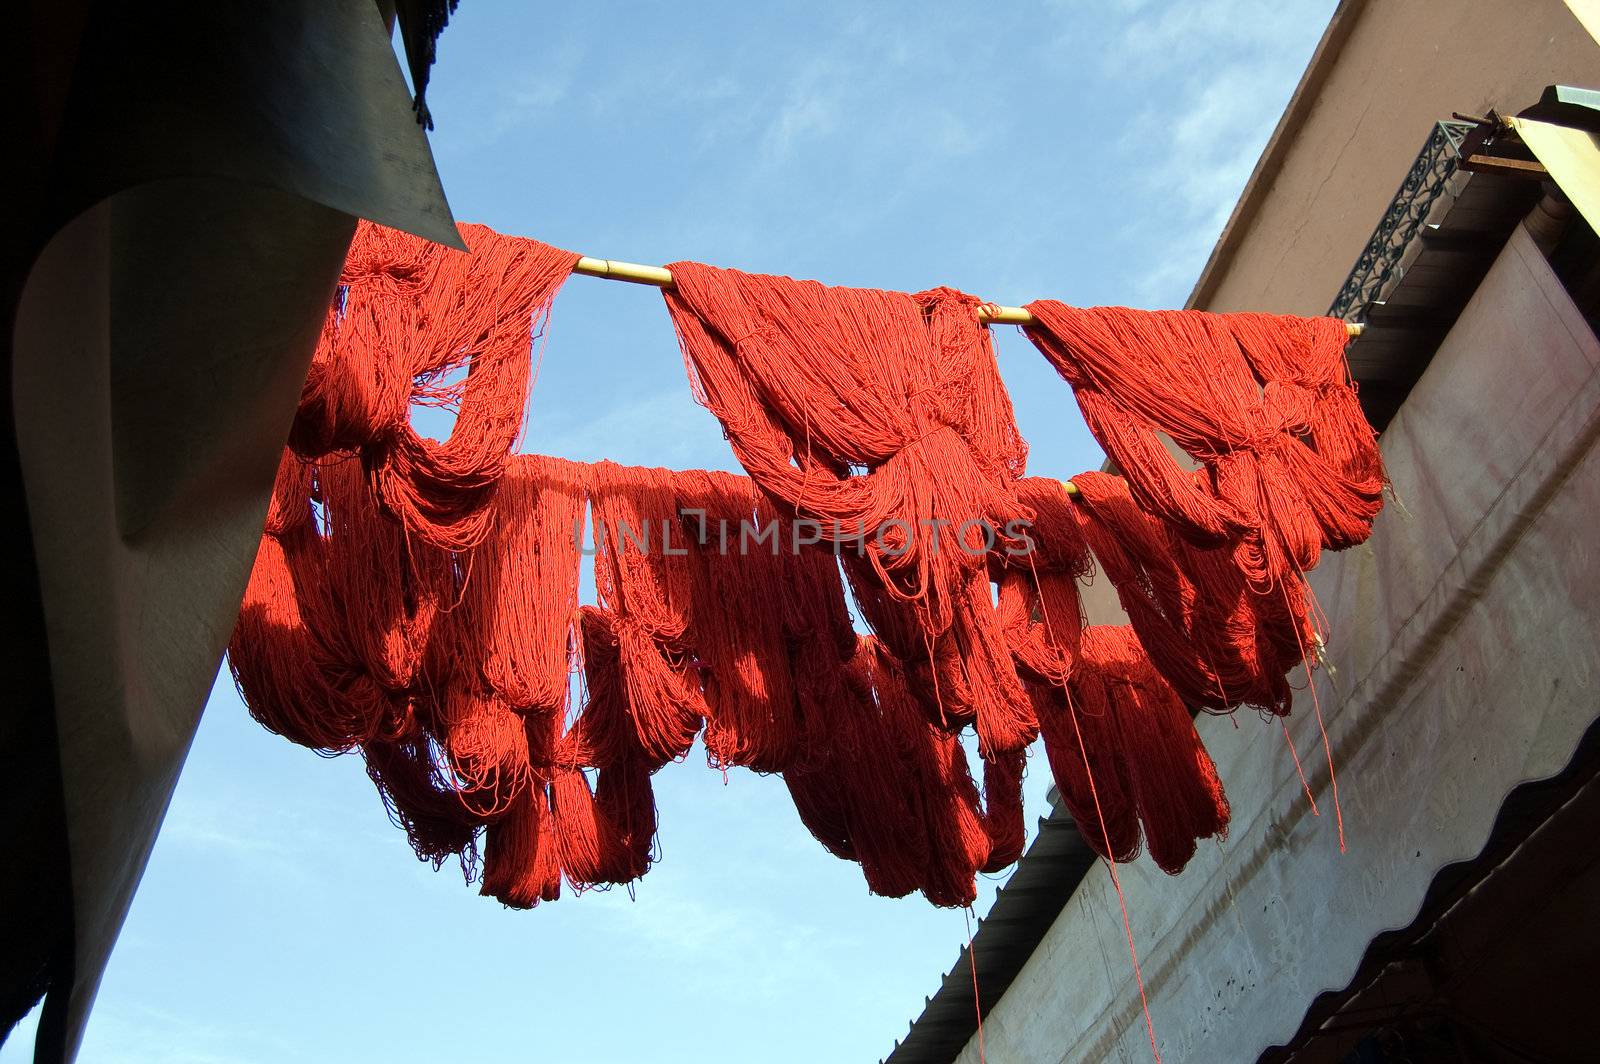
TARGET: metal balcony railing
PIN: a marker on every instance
(1428, 179)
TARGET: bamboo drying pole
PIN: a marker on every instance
(612, 270)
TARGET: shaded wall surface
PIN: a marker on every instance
(1462, 635)
(1463, 641)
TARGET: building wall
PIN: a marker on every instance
(1462, 635)
(1463, 639)
(1384, 73)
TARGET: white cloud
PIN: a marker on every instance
(541, 86)
(532, 94)
(138, 1033)
(723, 946)
(652, 429)
(670, 78)
(193, 826)
(1208, 33)
(808, 112)
(1227, 70)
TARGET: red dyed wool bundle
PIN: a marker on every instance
(1264, 402)
(875, 780)
(418, 601)
(1038, 601)
(512, 627)
(320, 676)
(606, 830)
(893, 792)
(1126, 757)
(737, 633)
(455, 687)
(645, 577)
(420, 324)
(451, 674)
(880, 415)
(1219, 642)
(1120, 742)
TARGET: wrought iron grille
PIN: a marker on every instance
(1426, 181)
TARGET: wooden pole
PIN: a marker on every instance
(612, 270)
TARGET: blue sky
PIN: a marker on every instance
(1083, 151)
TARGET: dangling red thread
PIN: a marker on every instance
(1111, 861)
(1293, 753)
(1327, 747)
(977, 1001)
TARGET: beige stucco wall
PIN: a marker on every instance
(1386, 71)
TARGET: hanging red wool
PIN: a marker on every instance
(521, 865)
(512, 629)
(422, 799)
(1306, 381)
(497, 668)
(820, 641)
(291, 683)
(1038, 603)
(911, 826)
(853, 795)
(289, 511)
(1264, 402)
(954, 677)
(1179, 794)
(625, 798)
(604, 835)
(643, 575)
(1125, 755)
(1218, 642)
(845, 782)
(866, 782)
(297, 664)
(485, 746)
(840, 786)
(363, 586)
(1003, 821)
(420, 324)
(720, 594)
(603, 732)
(869, 782)
(881, 415)
(565, 829)
(736, 632)
(422, 604)
(945, 806)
